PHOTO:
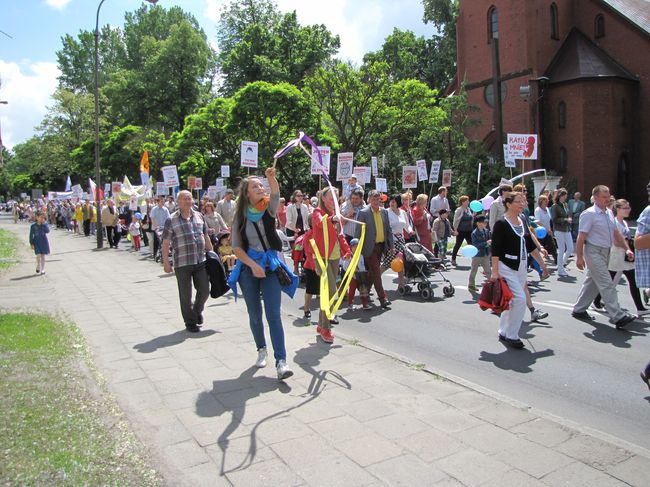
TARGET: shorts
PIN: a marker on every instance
(312, 282)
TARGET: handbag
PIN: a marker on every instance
(283, 276)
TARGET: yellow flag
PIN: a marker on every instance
(144, 162)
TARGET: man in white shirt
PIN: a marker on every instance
(226, 207)
(497, 210)
(439, 202)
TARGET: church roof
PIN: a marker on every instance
(580, 58)
(635, 11)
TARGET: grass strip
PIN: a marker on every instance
(59, 427)
(8, 249)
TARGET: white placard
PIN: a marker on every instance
(225, 171)
(423, 175)
(507, 156)
(522, 146)
(344, 166)
(363, 175)
(212, 192)
(219, 185)
(144, 178)
(325, 154)
(198, 183)
(374, 165)
(86, 196)
(248, 153)
(161, 189)
(107, 188)
(133, 203)
(409, 177)
(170, 176)
(116, 187)
(435, 171)
(77, 191)
(380, 185)
(446, 178)
(51, 195)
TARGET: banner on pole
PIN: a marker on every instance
(375, 166)
(225, 171)
(325, 154)
(435, 171)
(170, 176)
(249, 153)
(422, 170)
(507, 157)
(363, 175)
(344, 165)
(409, 177)
(380, 185)
(522, 146)
(446, 178)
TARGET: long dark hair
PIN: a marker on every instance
(241, 205)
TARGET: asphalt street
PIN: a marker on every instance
(587, 373)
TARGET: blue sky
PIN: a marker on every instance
(28, 59)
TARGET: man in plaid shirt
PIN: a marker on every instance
(187, 234)
(642, 263)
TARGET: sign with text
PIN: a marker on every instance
(423, 175)
(170, 176)
(77, 191)
(409, 177)
(161, 189)
(325, 154)
(381, 185)
(344, 166)
(212, 192)
(522, 146)
(446, 178)
(507, 157)
(435, 171)
(219, 185)
(116, 187)
(375, 166)
(249, 153)
(363, 175)
(225, 171)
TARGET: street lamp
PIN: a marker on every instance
(98, 181)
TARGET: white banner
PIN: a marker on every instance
(325, 154)
(77, 191)
(212, 192)
(375, 166)
(170, 176)
(522, 146)
(435, 171)
(249, 153)
(161, 189)
(380, 185)
(225, 171)
(345, 163)
(423, 175)
(363, 175)
(409, 177)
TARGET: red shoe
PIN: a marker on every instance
(325, 334)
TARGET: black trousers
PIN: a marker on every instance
(467, 236)
(86, 224)
(634, 290)
(110, 236)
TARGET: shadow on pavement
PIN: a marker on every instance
(605, 333)
(515, 360)
(22, 278)
(170, 340)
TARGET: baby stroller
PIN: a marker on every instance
(419, 266)
(158, 256)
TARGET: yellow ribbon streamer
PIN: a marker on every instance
(331, 304)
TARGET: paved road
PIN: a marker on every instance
(582, 372)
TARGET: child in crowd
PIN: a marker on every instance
(440, 233)
(39, 242)
(480, 240)
(224, 248)
(360, 279)
(134, 231)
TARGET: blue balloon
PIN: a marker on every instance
(138, 215)
(476, 206)
(469, 251)
(541, 232)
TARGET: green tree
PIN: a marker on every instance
(442, 14)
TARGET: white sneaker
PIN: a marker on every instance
(261, 358)
(538, 315)
(644, 312)
(284, 372)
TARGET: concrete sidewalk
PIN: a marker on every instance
(349, 416)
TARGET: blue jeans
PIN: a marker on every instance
(271, 291)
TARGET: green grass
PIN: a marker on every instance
(8, 249)
(58, 425)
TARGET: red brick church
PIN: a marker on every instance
(576, 72)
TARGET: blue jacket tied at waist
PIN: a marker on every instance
(268, 259)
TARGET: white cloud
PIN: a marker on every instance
(213, 9)
(27, 87)
(58, 4)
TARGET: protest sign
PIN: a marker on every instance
(345, 163)
(116, 187)
(219, 185)
(212, 192)
(249, 153)
(507, 156)
(423, 175)
(363, 175)
(375, 166)
(325, 153)
(161, 189)
(133, 203)
(170, 176)
(198, 183)
(522, 146)
(225, 171)
(409, 177)
(191, 183)
(435, 171)
(107, 188)
(446, 178)
(380, 185)
(77, 192)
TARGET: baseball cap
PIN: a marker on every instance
(354, 241)
(230, 191)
